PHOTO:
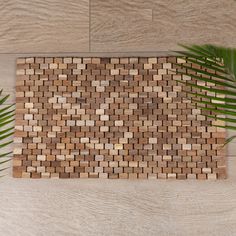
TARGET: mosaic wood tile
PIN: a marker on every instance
(111, 118)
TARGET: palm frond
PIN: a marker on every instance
(6, 130)
(210, 81)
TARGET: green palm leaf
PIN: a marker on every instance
(212, 84)
(6, 130)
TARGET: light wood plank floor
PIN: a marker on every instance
(114, 25)
(160, 25)
(107, 207)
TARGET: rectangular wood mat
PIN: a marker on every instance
(113, 118)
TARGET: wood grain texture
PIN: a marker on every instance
(84, 207)
(44, 26)
(159, 25)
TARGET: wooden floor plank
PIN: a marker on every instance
(160, 25)
(44, 26)
(119, 208)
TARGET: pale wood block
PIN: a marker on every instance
(133, 72)
(142, 164)
(157, 77)
(99, 157)
(104, 128)
(60, 146)
(17, 151)
(167, 65)
(99, 146)
(29, 105)
(40, 169)
(104, 163)
(81, 66)
(60, 157)
(113, 163)
(74, 163)
(166, 146)
(55, 175)
(104, 106)
(90, 145)
(69, 169)
(148, 89)
(181, 60)
(114, 72)
(31, 169)
(105, 82)
(104, 117)
(123, 163)
(123, 140)
(103, 175)
(29, 94)
(77, 72)
(53, 65)
(29, 71)
(171, 176)
(89, 122)
(119, 123)
(17, 140)
(212, 176)
(113, 152)
(133, 106)
(191, 176)
(41, 146)
(28, 128)
(147, 66)
(41, 157)
(187, 146)
(16, 162)
(152, 140)
(162, 71)
(133, 164)
(51, 134)
(128, 134)
(28, 117)
(37, 128)
(167, 158)
(100, 111)
(84, 140)
(70, 122)
(45, 175)
(80, 122)
(20, 72)
(70, 157)
(25, 175)
(100, 89)
(206, 170)
(84, 175)
(161, 175)
(118, 146)
(152, 60)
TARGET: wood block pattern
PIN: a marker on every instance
(111, 118)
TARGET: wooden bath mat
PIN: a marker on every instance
(110, 118)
